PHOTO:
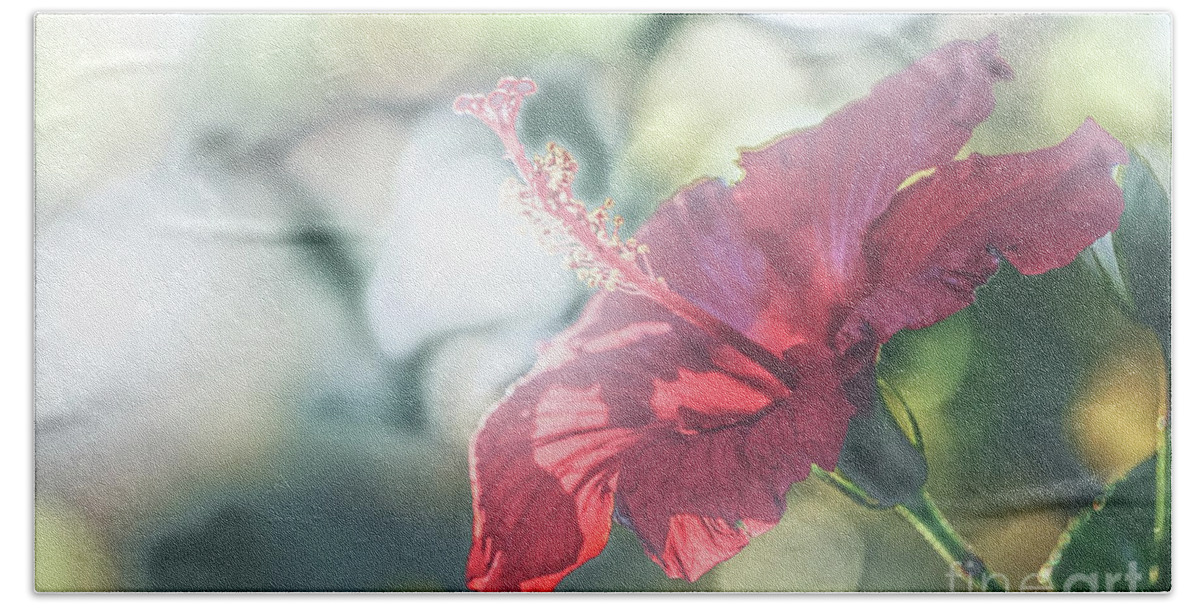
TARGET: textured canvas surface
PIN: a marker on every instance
(798, 302)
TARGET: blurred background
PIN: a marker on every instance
(275, 290)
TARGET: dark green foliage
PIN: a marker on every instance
(1104, 545)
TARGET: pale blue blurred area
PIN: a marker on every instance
(276, 291)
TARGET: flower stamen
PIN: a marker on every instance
(589, 241)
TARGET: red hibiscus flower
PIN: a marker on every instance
(739, 330)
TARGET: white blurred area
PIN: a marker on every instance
(251, 229)
(452, 254)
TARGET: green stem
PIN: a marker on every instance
(923, 514)
(1162, 475)
(1162, 483)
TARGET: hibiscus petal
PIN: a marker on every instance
(546, 460)
(533, 471)
(810, 196)
(700, 245)
(941, 237)
(695, 499)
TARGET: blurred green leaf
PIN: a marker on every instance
(1003, 423)
(1143, 247)
(1114, 547)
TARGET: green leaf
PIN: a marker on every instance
(1143, 247)
(1115, 546)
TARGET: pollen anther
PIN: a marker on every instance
(590, 241)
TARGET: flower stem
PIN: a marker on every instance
(1162, 482)
(923, 514)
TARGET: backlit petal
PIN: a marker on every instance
(941, 236)
(808, 198)
(695, 499)
(546, 460)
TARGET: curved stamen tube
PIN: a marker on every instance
(596, 252)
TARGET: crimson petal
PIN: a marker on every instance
(700, 245)
(532, 478)
(809, 197)
(546, 460)
(941, 237)
(696, 499)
